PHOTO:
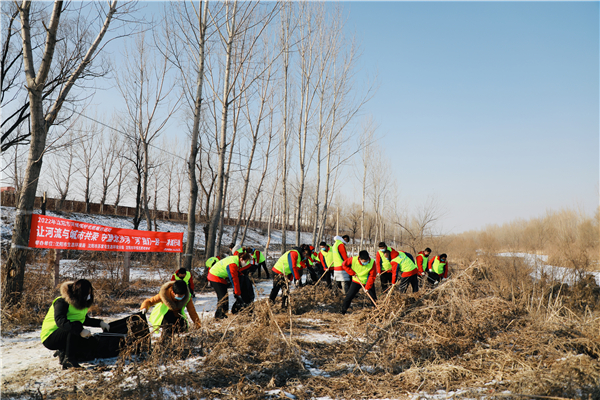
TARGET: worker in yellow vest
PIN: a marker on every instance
(405, 270)
(326, 260)
(259, 262)
(170, 304)
(224, 273)
(363, 272)
(384, 268)
(437, 269)
(339, 256)
(62, 329)
(287, 268)
(423, 259)
(186, 276)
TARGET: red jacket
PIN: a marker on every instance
(420, 261)
(378, 259)
(347, 265)
(343, 254)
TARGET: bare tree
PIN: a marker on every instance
(62, 168)
(185, 20)
(87, 153)
(239, 33)
(146, 89)
(41, 121)
(122, 173)
(108, 162)
(420, 225)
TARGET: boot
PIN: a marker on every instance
(70, 363)
(61, 356)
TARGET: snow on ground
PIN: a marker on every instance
(253, 237)
(562, 274)
(25, 356)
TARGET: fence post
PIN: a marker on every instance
(56, 274)
(126, 258)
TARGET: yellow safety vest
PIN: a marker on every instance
(283, 266)
(438, 266)
(386, 265)
(404, 262)
(186, 278)
(337, 258)
(362, 271)
(328, 257)
(49, 324)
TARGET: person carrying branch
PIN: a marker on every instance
(170, 304)
(363, 272)
(339, 257)
(62, 329)
(437, 269)
(183, 274)
(403, 266)
(384, 268)
(287, 268)
(223, 273)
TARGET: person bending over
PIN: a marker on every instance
(363, 272)
(170, 304)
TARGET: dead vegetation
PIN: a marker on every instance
(487, 330)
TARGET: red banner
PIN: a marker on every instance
(58, 233)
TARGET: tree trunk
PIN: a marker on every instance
(14, 271)
(216, 214)
(191, 220)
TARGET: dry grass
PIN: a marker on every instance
(488, 329)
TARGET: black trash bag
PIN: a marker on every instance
(130, 333)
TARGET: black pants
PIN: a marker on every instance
(432, 277)
(352, 292)
(409, 280)
(343, 285)
(261, 266)
(386, 280)
(280, 282)
(327, 278)
(73, 345)
(222, 299)
(313, 274)
(247, 293)
(173, 323)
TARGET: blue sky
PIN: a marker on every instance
(490, 107)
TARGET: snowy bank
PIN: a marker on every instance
(540, 269)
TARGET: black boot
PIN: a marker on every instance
(61, 356)
(70, 363)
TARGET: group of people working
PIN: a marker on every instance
(63, 327)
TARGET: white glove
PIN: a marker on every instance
(105, 326)
(85, 333)
(143, 310)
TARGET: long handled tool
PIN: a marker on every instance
(367, 292)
